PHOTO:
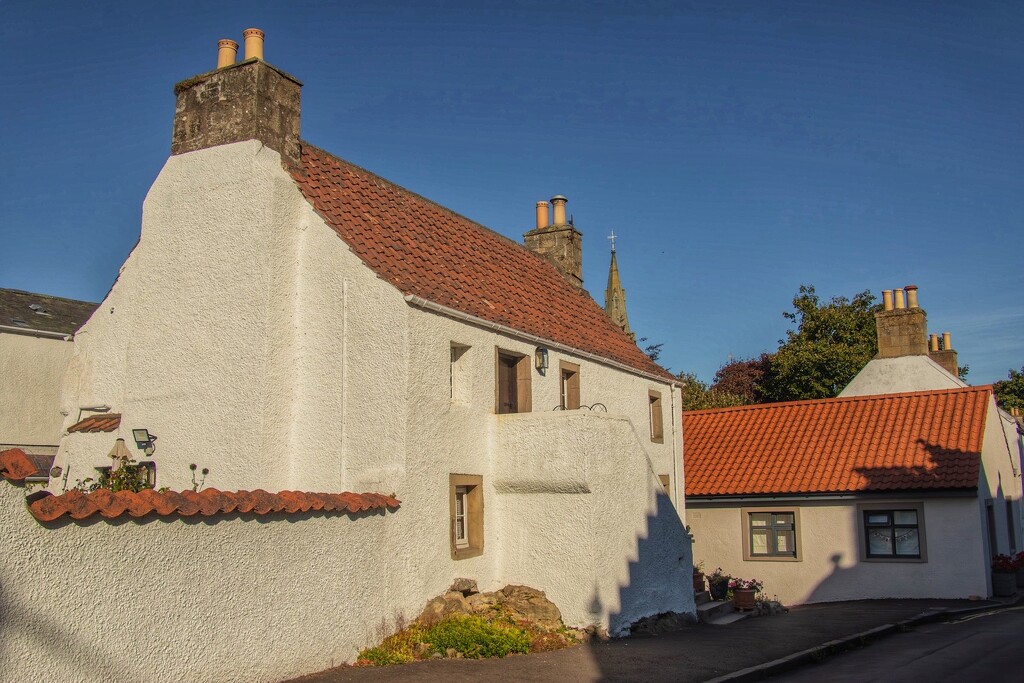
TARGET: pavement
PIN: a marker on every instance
(747, 650)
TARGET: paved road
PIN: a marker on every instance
(982, 647)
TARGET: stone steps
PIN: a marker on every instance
(717, 612)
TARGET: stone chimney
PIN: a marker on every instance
(558, 241)
(248, 100)
(941, 351)
(901, 331)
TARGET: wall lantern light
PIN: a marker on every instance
(144, 440)
(542, 358)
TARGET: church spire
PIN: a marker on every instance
(615, 295)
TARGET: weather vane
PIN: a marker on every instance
(612, 238)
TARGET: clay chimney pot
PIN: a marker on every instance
(947, 343)
(900, 302)
(911, 296)
(253, 43)
(227, 52)
(887, 299)
(542, 215)
(558, 202)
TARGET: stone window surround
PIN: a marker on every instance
(891, 505)
(474, 514)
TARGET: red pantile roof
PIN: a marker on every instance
(108, 422)
(15, 466)
(891, 442)
(426, 250)
(208, 502)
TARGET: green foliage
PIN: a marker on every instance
(124, 475)
(698, 396)
(460, 635)
(832, 342)
(1010, 392)
(475, 637)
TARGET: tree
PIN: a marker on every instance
(743, 378)
(698, 396)
(1010, 392)
(653, 351)
(832, 342)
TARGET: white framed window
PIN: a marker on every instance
(466, 515)
(461, 530)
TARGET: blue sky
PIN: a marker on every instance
(738, 150)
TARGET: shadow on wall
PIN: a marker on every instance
(660, 578)
(55, 641)
(903, 484)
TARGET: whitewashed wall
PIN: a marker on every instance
(830, 567)
(31, 371)
(246, 335)
(231, 599)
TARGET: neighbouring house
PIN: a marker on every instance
(36, 331)
(295, 324)
(880, 493)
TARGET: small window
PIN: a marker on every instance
(664, 479)
(459, 374)
(771, 534)
(657, 428)
(892, 534)
(570, 386)
(466, 508)
(513, 392)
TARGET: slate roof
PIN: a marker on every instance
(890, 442)
(426, 250)
(42, 312)
(15, 466)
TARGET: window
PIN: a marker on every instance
(893, 533)
(664, 479)
(657, 430)
(570, 392)
(466, 512)
(513, 392)
(459, 377)
(771, 534)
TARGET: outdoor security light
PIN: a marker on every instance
(144, 440)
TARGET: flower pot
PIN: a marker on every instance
(698, 582)
(1020, 578)
(719, 589)
(1004, 584)
(743, 598)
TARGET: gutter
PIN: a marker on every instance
(730, 501)
(429, 305)
(30, 332)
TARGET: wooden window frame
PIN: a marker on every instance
(524, 381)
(656, 412)
(863, 509)
(747, 534)
(568, 391)
(473, 515)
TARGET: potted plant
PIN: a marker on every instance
(718, 584)
(1004, 576)
(698, 577)
(744, 592)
